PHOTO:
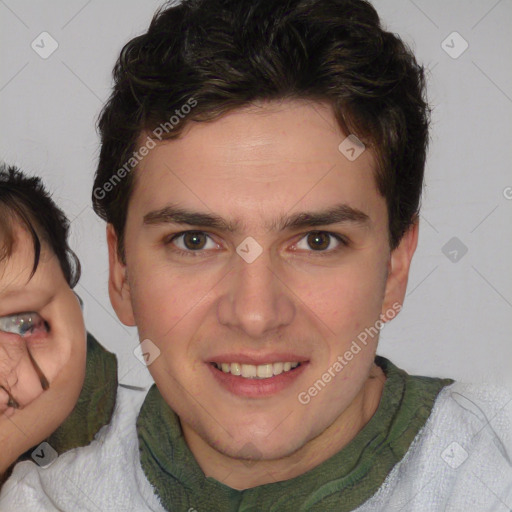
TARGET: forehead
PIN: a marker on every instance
(268, 157)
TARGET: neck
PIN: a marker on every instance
(239, 474)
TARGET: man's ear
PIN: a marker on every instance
(398, 271)
(118, 287)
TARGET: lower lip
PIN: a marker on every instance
(256, 388)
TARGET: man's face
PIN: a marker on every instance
(210, 298)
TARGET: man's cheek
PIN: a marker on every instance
(159, 309)
(342, 305)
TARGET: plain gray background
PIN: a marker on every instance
(457, 317)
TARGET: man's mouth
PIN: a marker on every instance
(261, 371)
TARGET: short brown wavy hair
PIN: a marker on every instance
(226, 54)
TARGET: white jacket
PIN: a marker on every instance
(460, 461)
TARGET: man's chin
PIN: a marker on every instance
(251, 450)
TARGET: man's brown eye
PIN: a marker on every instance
(190, 243)
(322, 243)
(319, 240)
(194, 240)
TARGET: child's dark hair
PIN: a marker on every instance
(25, 200)
(226, 54)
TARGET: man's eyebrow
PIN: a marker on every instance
(341, 213)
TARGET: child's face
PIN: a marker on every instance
(59, 352)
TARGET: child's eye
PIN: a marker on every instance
(23, 324)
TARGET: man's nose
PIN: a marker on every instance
(256, 298)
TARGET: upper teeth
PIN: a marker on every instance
(251, 371)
